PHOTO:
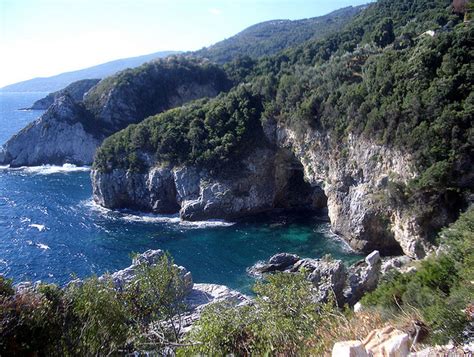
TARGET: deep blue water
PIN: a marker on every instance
(50, 228)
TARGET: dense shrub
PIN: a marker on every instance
(211, 133)
(280, 321)
(94, 317)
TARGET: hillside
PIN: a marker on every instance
(59, 81)
(377, 116)
(268, 38)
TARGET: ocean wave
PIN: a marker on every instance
(206, 224)
(326, 230)
(150, 218)
(39, 227)
(154, 218)
(47, 169)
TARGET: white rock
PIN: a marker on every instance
(349, 349)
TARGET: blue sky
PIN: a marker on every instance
(47, 37)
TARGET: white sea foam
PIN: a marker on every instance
(155, 218)
(39, 227)
(47, 169)
(42, 246)
(52, 169)
(328, 232)
(149, 218)
(206, 224)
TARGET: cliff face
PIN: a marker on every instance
(266, 179)
(292, 171)
(58, 136)
(76, 90)
(70, 131)
(354, 176)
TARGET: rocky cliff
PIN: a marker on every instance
(354, 176)
(71, 130)
(289, 171)
(266, 179)
(59, 136)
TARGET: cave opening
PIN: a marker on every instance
(293, 192)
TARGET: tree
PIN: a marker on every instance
(384, 35)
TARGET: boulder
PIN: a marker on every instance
(202, 295)
(349, 349)
(362, 278)
(387, 342)
(278, 262)
(150, 257)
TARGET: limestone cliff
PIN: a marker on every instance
(354, 176)
(290, 171)
(266, 179)
(59, 136)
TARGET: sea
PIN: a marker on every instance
(51, 230)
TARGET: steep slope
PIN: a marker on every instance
(378, 116)
(114, 103)
(59, 81)
(268, 38)
(76, 90)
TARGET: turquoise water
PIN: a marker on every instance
(50, 228)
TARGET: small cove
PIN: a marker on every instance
(50, 229)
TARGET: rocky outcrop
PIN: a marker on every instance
(355, 175)
(202, 295)
(267, 179)
(387, 341)
(71, 130)
(330, 277)
(149, 258)
(196, 296)
(59, 136)
(76, 90)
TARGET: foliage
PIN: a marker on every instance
(150, 89)
(211, 133)
(441, 288)
(94, 317)
(280, 321)
(269, 38)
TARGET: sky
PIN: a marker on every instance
(40, 38)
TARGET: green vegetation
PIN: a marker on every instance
(441, 289)
(279, 321)
(211, 133)
(269, 38)
(150, 89)
(93, 317)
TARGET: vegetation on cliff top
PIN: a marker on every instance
(134, 94)
(269, 38)
(211, 133)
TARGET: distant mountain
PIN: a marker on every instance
(59, 81)
(270, 37)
